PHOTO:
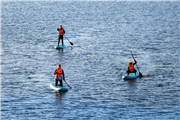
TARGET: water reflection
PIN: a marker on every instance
(131, 81)
(59, 103)
(58, 97)
(132, 86)
(60, 50)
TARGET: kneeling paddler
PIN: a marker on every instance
(131, 68)
(59, 75)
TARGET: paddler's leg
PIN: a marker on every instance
(61, 83)
(58, 39)
(56, 81)
(134, 71)
(62, 40)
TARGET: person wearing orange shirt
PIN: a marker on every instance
(61, 33)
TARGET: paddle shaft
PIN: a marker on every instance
(67, 84)
(68, 40)
(135, 60)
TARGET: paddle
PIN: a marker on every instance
(67, 84)
(68, 40)
(137, 66)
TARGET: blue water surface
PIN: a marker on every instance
(103, 34)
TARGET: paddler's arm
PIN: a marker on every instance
(55, 72)
(134, 63)
(63, 31)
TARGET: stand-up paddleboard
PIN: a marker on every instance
(60, 46)
(58, 88)
(131, 76)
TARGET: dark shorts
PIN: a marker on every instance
(60, 36)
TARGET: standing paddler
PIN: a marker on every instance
(61, 33)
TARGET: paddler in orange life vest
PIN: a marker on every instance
(59, 75)
(131, 68)
(61, 33)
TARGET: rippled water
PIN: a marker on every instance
(103, 34)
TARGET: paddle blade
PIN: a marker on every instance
(71, 43)
(69, 87)
(140, 75)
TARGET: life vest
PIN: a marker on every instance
(61, 31)
(59, 72)
(131, 68)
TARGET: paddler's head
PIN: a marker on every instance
(59, 66)
(60, 26)
(130, 63)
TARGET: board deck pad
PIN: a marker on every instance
(58, 88)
